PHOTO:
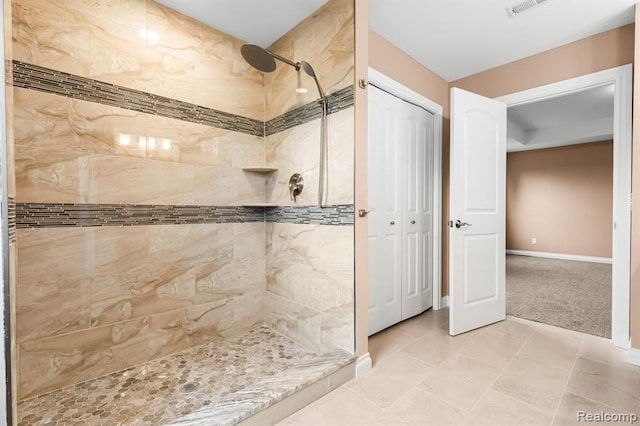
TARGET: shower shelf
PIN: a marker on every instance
(265, 205)
(260, 169)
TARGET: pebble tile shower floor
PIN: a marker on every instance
(223, 383)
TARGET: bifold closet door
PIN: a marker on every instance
(384, 223)
(400, 157)
(417, 220)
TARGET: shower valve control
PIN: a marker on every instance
(296, 185)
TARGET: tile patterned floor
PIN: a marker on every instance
(512, 373)
(220, 383)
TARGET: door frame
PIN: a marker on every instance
(393, 87)
(621, 78)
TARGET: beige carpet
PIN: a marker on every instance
(567, 294)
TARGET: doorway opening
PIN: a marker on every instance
(615, 83)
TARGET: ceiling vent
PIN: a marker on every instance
(521, 7)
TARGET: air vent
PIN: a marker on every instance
(525, 5)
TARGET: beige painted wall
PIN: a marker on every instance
(563, 197)
(596, 53)
(635, 183)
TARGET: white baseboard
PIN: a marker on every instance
(363, 365)
(574, 257)
(634, 356)
(444, 303)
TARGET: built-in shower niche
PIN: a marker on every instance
(158, 253)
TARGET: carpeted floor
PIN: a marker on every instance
(564, 293)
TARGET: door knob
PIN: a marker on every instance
(413, 222)
(393, 222)
(363, 212)
(461, 224)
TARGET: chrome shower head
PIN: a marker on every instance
(306, 66)
(263, 60)
(258, 58)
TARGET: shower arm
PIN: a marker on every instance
(296, 65)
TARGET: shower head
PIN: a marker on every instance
(263, 60)
(310, 71)
(258, 58)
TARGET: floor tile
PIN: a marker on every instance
(390, 379)
(461, 381)
(571, 404)
(537, 384)
(513, 327)
(496, 349)
(418, 407)
(436, 347)
(340, 407)
(558, 348)
(420, 325)
(497, 409)
(614, 384)
(388, 342)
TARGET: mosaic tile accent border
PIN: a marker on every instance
(55, 215)
(338, 215)
(11, 207)
(338, 101)
(34, 77)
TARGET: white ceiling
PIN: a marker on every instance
(258, 22)
(581, 117)
(453, 38)
(457, 38)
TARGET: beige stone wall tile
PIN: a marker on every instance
(312, 265)
(227, 317)
(54, 273)
(326, 41)
(10, 132)
(297, 150)
(140, 181)
(71, 358)
(49, 34)
(142, 271)
(239, 267)
(44, 175)
(307, 326)
(225, 81)
(220, 187)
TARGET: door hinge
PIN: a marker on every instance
(362, 83)
(450, 223)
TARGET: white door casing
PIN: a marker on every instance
(478, 199)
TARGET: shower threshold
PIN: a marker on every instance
(222, 383)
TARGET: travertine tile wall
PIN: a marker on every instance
(310, 273)
(92, 300)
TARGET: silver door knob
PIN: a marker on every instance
(413, 222)
(393, 222)
(461, 224)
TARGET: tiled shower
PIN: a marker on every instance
(148, 181)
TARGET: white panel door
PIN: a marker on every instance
(417, 292)
(477, 211)
(385, 238)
